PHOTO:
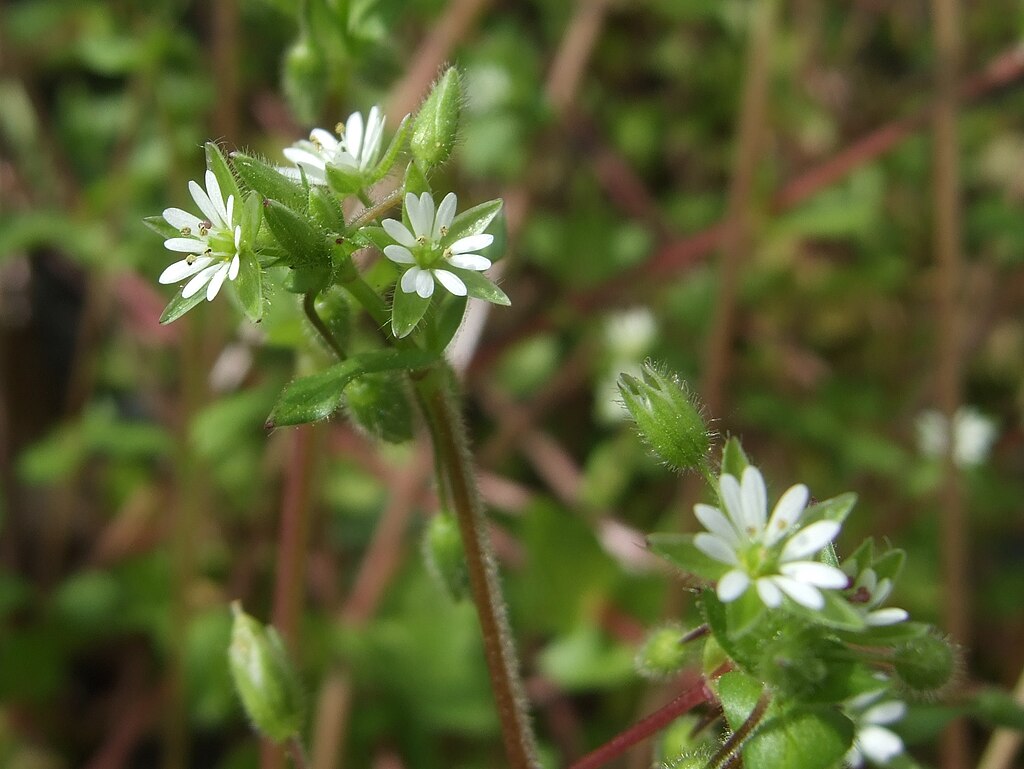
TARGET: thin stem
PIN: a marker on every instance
(452, 448)
(375, 211)
(309, 306)
(297, 753)
(369, 299)
(729, 753)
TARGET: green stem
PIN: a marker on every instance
(374, 212)
(729, 754)
(452, 448)
(309, 305)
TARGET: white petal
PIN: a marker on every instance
(885, 712)
(217, 198)
(200, 280)
(181, 270)
(399, 232)
(409, 279)
(755, 498)
(878, 744)
(732, 585)
(809, 540)
(713, 520)
(325, 139)
(231, 210)
(802, 593)
(354, 134)
(771, 596)
(238, 236)
(729, 488)
(374, 134)
(399, 254)
(344, 160)
(451, 281)
(445, 217)
(470, 262)
(716, 548)
(425, 284)
(787, 512)
(179, 219)
(186, 245)
(421, 213)
(233, 269)
(817, 574)
(301, 157)
(853, 758)
(883, 617)
(216, 282)
(880, 591)
(471, 243)
(203, 201)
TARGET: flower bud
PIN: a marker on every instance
(663, 652)
(264, 678)
(436, 124)
(925, 663)
(304, 76)
(667, 418)
(697, 758)
(442, 550)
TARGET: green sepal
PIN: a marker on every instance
(415, 181)
(216, 162)
(734, 460)
(178, 306)
(480, 287)
(270, 182)
(445, 323)
(325, 210)
(344, 180)
(889, 565)
(306, 246)
(834, 509)
(886, 635)
(392, 152)
(837, 612)
(679, 550)
(472, 221)
(161, 227)
(373, 237)
(787, 736)
(316, 397)
(249, 284)
(407, 311)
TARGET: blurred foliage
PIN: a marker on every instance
(140, 493)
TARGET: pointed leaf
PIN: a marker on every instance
(679, 550)
(345, 180)
(480, 287)
(269, 182)
(216, 162)
(837, 612)
(391, 153)
(407, 312)
(249, 285)
(178, 306)
(316, 397)
(415, 181)
(734, 461)
(373, 237)
(472, 221)
(889, 565)
(161, 227)
(834, 509)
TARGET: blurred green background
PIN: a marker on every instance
(140, 493)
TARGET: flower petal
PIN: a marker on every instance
(883, 617)
(885, 712)
(878, 743)
(399, 232)
(408, 282)
(193, 286)
(181, 270)
(451, 281)
(399, 254)
(425, 284)
(354, 134)
(716, 548)
(421, 213)
(203, 201)
(179, 219)
(470, 262)
(186, 245)
(445, 216)
(754, 497)
(233, 268)
(732, 585)
(817, 574)
(809, 540)
(217, 198)
(802, 593)
(787, 512)
(770, 594)
(302, 157)
(471, 243)
(216, 282)
(729, 488)
(327, 141)
(711, 518)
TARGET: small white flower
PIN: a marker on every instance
(212, 243)
(771, 552)
(421, 248)
(869, 593)
(870, 714)
(973, 435)
(357, 148)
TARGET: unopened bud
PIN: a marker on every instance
(925, 663)
(305, 77)
(436, 124)
(663, 652)
(444, 555)
(264, 679)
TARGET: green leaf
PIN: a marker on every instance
(391, 153)
(834, 509)
(178, 306)
(472, 221)
(308, 279)
(160, 226)
(445, 324)
(407, 311)
(249, 285)
(734, 461)
(305, 245)
(787, 736)
(252, 216)
(373, 237)
(679, 550)
(415, 180)
(889, 565)
(344, 180)
(228, 184)
(480, 287)
(316, 397)
(270, 182)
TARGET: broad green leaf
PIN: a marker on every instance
(679, 550)
(316, 397)
(407, 311)
(270, 182)
(249, 285)
(481, 288)
(178, 306)
(391, 153)
(306, 246)
(345, 180)
(472, 221)
(228, 184)
(734, 461)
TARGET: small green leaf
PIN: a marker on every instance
(480, 287)
(679, 550)
(228, 184)
(445, 324)
(316, 397)
(306, 246)
(161, 227)
(344, 180)
(472, 221)
(270, 182)
(407, 312)
(415, 180)
(391, 153)
(249, 285)
(178, 306)
(734, 461)
(834, 509)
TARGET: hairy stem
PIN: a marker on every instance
(729, 754)
(451, 446)
(376, 211)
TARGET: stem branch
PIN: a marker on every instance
(309, 306)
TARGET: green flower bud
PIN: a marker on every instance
(436, 124)
(697, 758)
(379, 405)
(667, 418)
(264, 678)
(444, 556)
(662, 652)
(304, 78)
(925, 663)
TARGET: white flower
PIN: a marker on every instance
(871, 740)
(422, 248)
(771, 552)
(973, 435)
(357, 148)
(212, 243)
(869, 593)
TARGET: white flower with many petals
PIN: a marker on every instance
(212, 243)
(357, 147)
(770, 553)
(422, 250)
(870, 714)
(869, 593)
(973, 435)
